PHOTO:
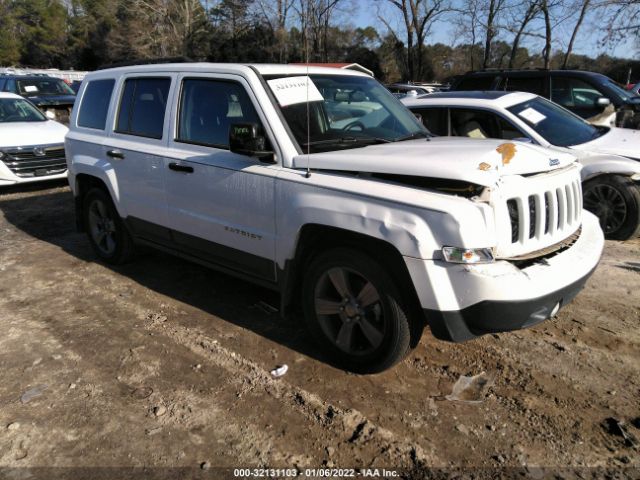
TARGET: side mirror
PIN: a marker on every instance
(603, 102)
(247, 139)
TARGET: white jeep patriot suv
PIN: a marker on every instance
(317, 182)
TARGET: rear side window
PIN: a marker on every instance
(525, 84)
(473, 123)
(142, 107)
(476, 83)
(95, 104)
(209, 107)
(435, 119)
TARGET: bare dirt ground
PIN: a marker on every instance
(164, 364)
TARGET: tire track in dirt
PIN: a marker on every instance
(349, 425)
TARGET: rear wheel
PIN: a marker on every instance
(355, 311)
(615, 200)
(108, 236)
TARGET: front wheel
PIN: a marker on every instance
(108, 236)
(615, 200)
(355, 312)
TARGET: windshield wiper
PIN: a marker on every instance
(348, 141)
(412, 136)
(599, 132)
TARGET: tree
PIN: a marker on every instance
(42, 32)
(526, 12)
(583, 10)
(276, 14)
(469, 25)
(418, 17)
(493, 10)
(546, 52)
(10, 45)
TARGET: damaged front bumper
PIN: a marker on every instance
(463, 302)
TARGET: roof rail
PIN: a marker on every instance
(146, 61)
(539, 69)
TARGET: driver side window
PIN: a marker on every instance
(573, 92)
(209, 107)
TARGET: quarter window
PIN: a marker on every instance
(209, 107)
(142, 107)
(95, 104)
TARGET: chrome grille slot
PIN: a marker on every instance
(35, 161)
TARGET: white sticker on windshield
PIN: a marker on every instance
(30, 88)
(532, 115)
(292, 90)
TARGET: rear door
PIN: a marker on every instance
(221, 204)
(135, 151)
(533, 83)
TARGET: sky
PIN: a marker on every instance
(587, 42)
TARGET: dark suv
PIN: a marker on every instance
(586, 94)
(51, 95)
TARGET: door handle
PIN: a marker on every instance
(180, 168)
(115, 154)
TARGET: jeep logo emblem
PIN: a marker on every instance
(553, 162)
(39, 152)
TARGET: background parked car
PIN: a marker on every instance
(592, 96)
(635, 89)
(611, 156)
(31, 145)
(51, 95)
(402, 89)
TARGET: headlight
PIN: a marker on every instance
(467, 255)
(50, 113)
(1, 155)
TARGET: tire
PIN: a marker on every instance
(107, 234)
(370, 331)
(615, 200)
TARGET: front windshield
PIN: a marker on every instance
(19, 110)
(555, 124)
(343, 111)
(43, 86)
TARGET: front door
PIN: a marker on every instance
(576, 95)
(221, 204)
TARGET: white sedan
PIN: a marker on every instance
(610, 156)
(31, 145)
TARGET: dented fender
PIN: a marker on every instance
(417, 222)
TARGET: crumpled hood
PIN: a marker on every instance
(23, 134)
(618, 141)
(481, 162)
(52, 100)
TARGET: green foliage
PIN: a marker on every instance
(87, 34)
(9, 41)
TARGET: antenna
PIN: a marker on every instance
(306, 54)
